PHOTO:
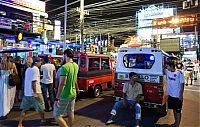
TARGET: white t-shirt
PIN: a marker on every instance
(32, 74)
(196, 67)
(132, 91)
(174, 82)
(47, 70)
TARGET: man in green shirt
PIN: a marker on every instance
(65, 98)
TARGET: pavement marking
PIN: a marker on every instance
(193, 90)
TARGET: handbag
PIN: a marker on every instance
(14, 79)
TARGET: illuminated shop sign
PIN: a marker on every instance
(175, 21)
(57, 30)
(32, 4)
(146, 15)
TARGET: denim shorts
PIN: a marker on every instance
(32, 102)
(66, 106)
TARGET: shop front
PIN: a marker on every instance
(19, 21)
(183, 44)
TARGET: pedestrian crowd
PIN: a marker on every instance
(191, 71)
(46, 87)
(39, 81)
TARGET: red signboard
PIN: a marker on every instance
(175, 21)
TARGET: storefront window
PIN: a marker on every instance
(139, 61)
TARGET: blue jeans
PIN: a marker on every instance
(129, 103)
(48, 87)
(195, 75)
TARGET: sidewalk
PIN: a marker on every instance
(195, 83)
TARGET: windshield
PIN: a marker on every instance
(139, 61)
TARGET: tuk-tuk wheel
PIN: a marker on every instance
(97, 91)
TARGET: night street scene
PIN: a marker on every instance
(99, 63)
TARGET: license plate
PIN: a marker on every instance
(149, 78)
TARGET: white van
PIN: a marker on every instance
(149, 64)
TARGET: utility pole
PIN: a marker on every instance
(65, 26)
(108, 40)
(82, 13)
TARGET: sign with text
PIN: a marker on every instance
(146, 15)
(32, 4)
(175, 21)
(170, 45)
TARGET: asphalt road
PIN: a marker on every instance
(93, 112)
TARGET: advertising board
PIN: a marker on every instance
(175, 21)
(147, 14)
(32, 4)
(170, 45)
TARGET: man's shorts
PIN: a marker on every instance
(175, 104)
(32, 102)
(189, 74)
(66, 106)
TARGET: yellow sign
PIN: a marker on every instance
(175, 21)
(40, 29)
(20, 36)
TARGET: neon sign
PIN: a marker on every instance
(175, 21)
(32, 4)
(147, 14)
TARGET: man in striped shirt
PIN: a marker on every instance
(189, 72)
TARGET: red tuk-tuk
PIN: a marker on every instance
(95, 73)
